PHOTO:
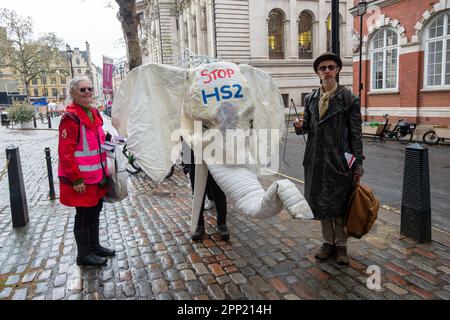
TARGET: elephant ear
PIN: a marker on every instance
(146, 110)
(268, 116)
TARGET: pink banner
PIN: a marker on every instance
(108, 69)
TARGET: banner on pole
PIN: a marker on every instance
(108, 69)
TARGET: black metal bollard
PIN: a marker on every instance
(49, 121)
(416, 208)
(34, 122)
(17, 196)
(48, 157)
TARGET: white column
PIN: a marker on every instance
(181, 31)
(322, 18)
(293, 30)
(211, 29)
(198, 22)
(190, 27)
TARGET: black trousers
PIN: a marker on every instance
(85, 216)
(214, 193)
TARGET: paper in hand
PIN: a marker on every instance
(350, 159)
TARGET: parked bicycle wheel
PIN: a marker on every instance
(132, 167)
(430, 137)
(404, 138)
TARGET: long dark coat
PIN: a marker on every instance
(329, 181)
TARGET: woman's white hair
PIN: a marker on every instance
(74, 84)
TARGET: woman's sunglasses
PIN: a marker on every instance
(83, 90)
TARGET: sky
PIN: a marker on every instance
(76, 21)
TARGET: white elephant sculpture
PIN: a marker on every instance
(156, 104)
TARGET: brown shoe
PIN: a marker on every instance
(325, 251)
(342, 257)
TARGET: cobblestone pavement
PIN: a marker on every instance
(267, 259)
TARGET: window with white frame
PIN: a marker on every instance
(437, 52)
(384, 60)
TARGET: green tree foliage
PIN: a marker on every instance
(29, 58)
(21, 112)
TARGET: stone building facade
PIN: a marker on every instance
(281, 37)
(405, 60)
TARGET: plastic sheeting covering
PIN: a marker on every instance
(156, 104)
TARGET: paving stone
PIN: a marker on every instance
(233, 291)
(422, 266)
(172, 275)
(182, 295)
(58, 293)
(20, 294)
(195, 288)
(207, 279)
(12, 280)
(442, 294)
(60, 280)
(398, 290)
(238, 278)
(215, 292)
(109, 290)
(5, 293)
(444, 269)
(145, 290)
(200, 269)
(420, 283)
(29, 276)
(159, 286)
(128, 289)
(187, 275)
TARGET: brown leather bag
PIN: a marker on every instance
(362, 211)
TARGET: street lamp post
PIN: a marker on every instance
(69, 54)
(361, 11)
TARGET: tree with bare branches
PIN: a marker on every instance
(29, 58)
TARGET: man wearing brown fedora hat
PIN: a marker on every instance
(333, 155)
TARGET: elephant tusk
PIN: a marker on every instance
(243, 187)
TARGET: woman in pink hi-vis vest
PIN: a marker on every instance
(82, 171)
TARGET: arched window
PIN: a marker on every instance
(305, 36)
(329, 33)
(384, 59)
(437, 52)
(276, 30)
(341, 32)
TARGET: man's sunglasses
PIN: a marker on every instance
(83, 90)
(331, 67)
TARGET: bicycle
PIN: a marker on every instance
(133, 168)
(431, 138)
(403, 131)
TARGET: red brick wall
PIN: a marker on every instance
(411, 67)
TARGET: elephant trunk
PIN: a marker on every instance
(243, 188)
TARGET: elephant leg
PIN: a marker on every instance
(201, 175)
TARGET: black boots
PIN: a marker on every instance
(85, 256)
(198, 234)
(223, 232)
(96, 248)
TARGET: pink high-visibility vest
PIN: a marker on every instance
(88, 154)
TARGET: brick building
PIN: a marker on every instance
(405, 60)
